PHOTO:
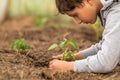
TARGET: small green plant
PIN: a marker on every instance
(65, 46)
(40, 21)
(20, 44)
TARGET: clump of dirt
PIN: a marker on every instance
(33, 64)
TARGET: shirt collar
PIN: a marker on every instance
(106, 3)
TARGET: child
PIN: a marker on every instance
(103, 56)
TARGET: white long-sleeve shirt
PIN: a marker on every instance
(105, 55)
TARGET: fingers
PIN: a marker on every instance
(51, 64)
(57, 57)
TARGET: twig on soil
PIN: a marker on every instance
(66, 34)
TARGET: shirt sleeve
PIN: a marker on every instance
(92, 50)
(109, 55)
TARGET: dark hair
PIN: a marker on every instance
(67, 5)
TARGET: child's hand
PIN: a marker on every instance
(59, 65)
(59, 57)
(78, 56)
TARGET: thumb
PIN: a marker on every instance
(57, 57)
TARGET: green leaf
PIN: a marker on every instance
(73, 43)
(66, 42)
(68, 55)
(62, 44)
(52, 46)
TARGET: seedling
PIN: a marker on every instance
(20, 44)
(40, 21)
(65, 46)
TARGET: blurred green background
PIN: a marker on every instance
(43, 10)
(32, 7)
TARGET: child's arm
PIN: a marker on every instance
(92, 50)
(84, 53)
(109, 55)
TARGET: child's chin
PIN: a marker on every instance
(92, 22)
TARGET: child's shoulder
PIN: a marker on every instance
(107, 4)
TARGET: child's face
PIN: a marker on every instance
(87, 13)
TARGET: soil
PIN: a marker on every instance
(33, 64)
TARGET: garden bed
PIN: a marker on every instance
(32, 64)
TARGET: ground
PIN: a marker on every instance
(32, 64)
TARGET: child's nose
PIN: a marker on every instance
(79, 22)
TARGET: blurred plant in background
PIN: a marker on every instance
(20, 44)
(60, 25)
(97, 27)
(40, 21)
(43, 10)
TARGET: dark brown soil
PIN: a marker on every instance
(33, 64)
